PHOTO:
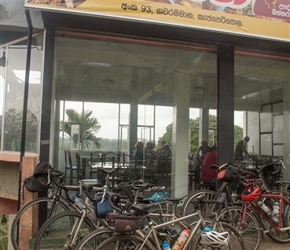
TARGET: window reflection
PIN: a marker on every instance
(139, 93)
(261, 97)
(12, 91)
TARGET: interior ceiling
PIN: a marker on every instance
(101, 71)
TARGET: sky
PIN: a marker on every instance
(107, 115)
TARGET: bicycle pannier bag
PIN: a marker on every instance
(42, 168)
(35, 184)
(39, 181)
(227, 172)
(102, 208)
(123, 223)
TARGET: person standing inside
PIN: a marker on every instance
(241, 148)
(209, 175)
(202, 150)
(138, 153)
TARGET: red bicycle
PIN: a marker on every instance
(262, 211)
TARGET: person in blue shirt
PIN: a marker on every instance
(138, 152)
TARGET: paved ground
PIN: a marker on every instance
(268, 244)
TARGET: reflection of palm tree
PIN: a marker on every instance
(89, 127)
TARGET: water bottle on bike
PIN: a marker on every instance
(265, 208)
(181, 240)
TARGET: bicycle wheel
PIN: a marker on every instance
(125, 242)
(235, 241)
(281, 237)
(250, 231)
(30, 216)
(63, 231)
(94, 239)
(188, 206)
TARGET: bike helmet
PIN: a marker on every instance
(251, 193)
(215, 239)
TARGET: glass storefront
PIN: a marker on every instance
(110, 94)
(261, 102)
(12, 95)
(134, 92)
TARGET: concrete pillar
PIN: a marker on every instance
(203, 124)
(133, 127)
(180, 143)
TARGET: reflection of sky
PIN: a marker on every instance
(107, 115)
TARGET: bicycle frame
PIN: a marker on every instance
(282, 200)
(154, 228)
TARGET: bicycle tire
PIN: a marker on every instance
(95, 238)
(125, 241)
(235, 240)
(188, 207)
(25, 219)
(58, 231)
(250, 231)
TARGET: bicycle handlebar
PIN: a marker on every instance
(252, 174)
(277, 167)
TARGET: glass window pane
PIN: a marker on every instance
(13, 100)
(262, 93)
(266, 145)
(266, 122)
(278, 136)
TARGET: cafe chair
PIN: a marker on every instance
(80, 168)
(95, 162)
(69, 167)
(111, 159)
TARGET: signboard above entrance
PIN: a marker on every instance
(259, 18)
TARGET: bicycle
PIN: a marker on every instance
(27, 220)
(251, 219)
(68, 228)
(197, 239)
(253, 225)
(232, 186)
(154, 213)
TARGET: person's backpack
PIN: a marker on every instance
(40, 179)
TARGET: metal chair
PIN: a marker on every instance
(69, 166)
(96, 161)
